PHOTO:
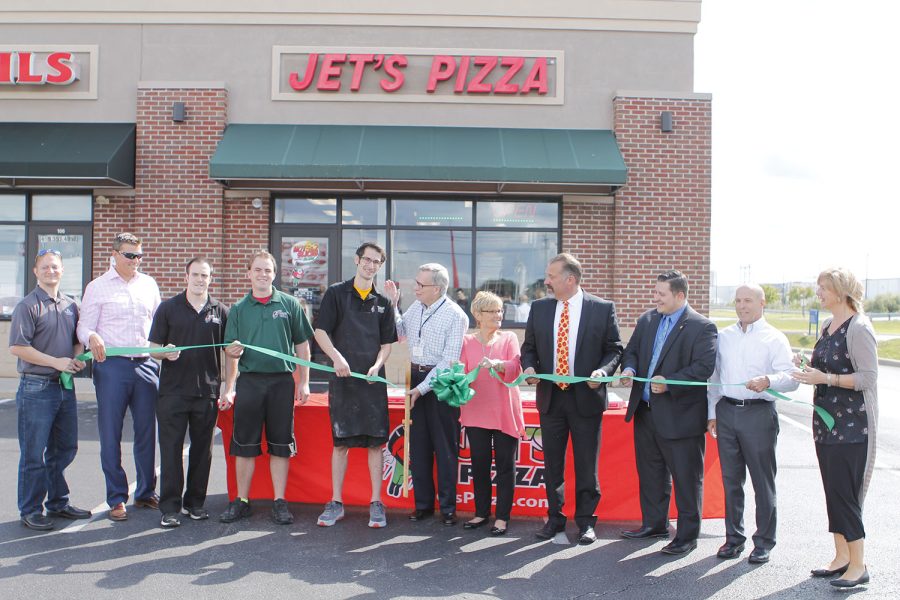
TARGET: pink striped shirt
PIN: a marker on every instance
(119, 311)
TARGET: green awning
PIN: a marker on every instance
(70, 155)
(372, 158)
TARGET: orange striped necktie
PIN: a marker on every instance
(562, 345)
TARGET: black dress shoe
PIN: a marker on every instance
(850, 583)
(759, 556)
(729, 550)
(586, 535)
(37, 521)
(497, 531)
(644, 532)
(70, 512)
(449, 519)
(475, 524)
(549, 531)
(421, 515)
(677, 547)
(829, 572)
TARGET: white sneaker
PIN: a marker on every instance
(334, 512)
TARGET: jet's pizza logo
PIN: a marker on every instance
(529, 460)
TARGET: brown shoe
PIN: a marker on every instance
(118, 512)
(148, 502)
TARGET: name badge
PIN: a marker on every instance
(417, 354)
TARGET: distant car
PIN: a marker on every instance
(7, 304)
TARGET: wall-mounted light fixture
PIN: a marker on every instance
(256, 203)
(178, 112)
(665, 121)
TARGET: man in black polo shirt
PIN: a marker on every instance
(189, 385)
(42, 337)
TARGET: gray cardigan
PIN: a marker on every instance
(864, 357)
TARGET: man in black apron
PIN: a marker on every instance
(355, 328)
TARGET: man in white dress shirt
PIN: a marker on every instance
(745, 421)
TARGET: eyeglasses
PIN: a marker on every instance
(368, 261)
(44, 251)
(495, 311)
(420, 285)
(132, 255)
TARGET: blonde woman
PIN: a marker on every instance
(493, 417)
(844, 371)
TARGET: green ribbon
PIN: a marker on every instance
(452, 385)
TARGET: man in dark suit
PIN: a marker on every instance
(671, 341)
(572, 333)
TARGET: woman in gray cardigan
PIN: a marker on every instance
(844, 371)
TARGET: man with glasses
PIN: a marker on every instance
(433, 327)
(116, 312)
(42, 337)
(355, 328)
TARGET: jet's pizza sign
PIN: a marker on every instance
(44, 71)
(417, 75)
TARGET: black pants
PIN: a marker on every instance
(177, 415)
(843, 468)
(561, 420)
(659, 460)
(481, 441)
(434, 437)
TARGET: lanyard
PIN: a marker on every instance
(422, 324)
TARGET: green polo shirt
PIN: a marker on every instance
(279, 325)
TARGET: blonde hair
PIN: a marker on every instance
(845, 285)
(483, 300)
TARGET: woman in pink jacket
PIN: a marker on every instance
(493, 417)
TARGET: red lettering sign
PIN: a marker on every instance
(392, 68)
(27, 68)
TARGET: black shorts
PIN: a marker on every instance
(264, 398)
(359, 441)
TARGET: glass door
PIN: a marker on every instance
(308, 262)
(74, 243)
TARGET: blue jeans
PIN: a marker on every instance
(48, 441)
(123, 384)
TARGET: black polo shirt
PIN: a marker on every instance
(196, 372)
(343, 297)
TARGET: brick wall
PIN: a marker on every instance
(588, 234)
(178, 211)
(246, 230)
(110, 218)
(662, 216)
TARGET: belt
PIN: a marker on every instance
(744, 402)
(133, 358)
(421, 368)
(50, 378)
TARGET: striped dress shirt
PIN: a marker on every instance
(438, 330)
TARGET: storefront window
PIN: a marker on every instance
(12, 267)
(432, 213)
(541, 215)
(61, 207)
(351, 240)
(512, 264)
(306, 210)
(12, 207)
(411, 249)
(368, 211)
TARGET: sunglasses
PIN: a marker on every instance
(132, 255)
(44, 251)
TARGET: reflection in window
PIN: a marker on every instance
(368, 211)
(543, 215)
(12, 267)
(352, 238)
(411, 249)
(12, 207)
(60, 207)
(432, 213)
(306, 210)
(512, 265)
(71, 247)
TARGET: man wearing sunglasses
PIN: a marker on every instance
(42, 337)
(116, 312)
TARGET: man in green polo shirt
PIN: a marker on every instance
(264, 394)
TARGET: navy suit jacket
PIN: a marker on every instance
(689, 354)
(598, 346)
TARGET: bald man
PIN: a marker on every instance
(745, 421)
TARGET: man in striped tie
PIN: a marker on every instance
(570, 333)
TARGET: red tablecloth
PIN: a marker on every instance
(310, 470)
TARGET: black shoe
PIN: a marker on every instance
(70, 512)
(759, 556)
(850, 583)
(37, 521)
(421, 514)
(196, 514)
(586, 535)
(170, 520)
(644, 532)
(830, 572)
(475, 524)
(498, 531)
(677, 547)
(729, 550)
(449, 519)
(236, 510)
(280, 513)
(549, 531)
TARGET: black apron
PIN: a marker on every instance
(358, 407)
